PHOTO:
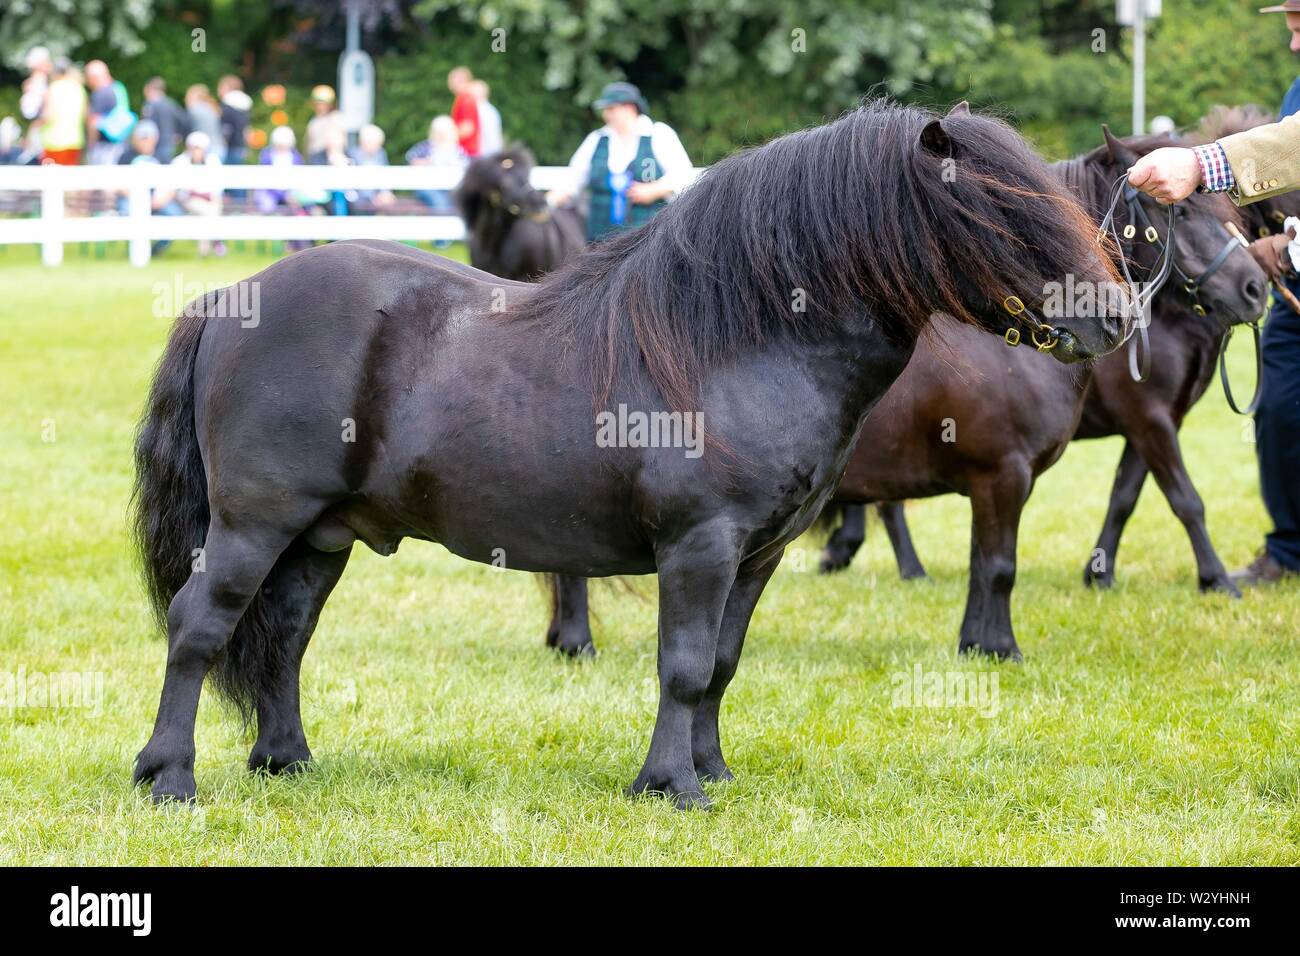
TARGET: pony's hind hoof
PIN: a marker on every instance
(684, 795)
(286, 760)
(1102, 581)
(1221, 586)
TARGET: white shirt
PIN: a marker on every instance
(674, 164)
(490, 139)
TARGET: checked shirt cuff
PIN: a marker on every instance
(1216, 174)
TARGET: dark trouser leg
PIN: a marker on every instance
(895, 521)
(570, 627)
(706, 745)
(1129, 478)
(299, 585)
(696, 573)
(1277, 434)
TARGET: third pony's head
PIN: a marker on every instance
(1007, 231)
(500, 182)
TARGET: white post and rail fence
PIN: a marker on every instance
(52, 225)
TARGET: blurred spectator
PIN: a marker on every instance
(11, 149)
(327, 118)
(280, 152)
(170, 117)
(334, 153)
(370, 151)
(490, 138)
(32, 102)
(443, 149)
(143, 146)
(63, 122)
(200, 198)
(110, 118)
(205, 116)
(464, 110)
(141, 150)
(629, 168)
(236, 107)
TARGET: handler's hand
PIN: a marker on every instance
(1168, 174)
(1270, 253)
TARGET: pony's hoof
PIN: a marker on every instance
(714, 773)
(1098, 580)
(830, 563)
(1002, 650)
(913, 574)
(683, 794)
(1221, 586)
(282, 760)
(173, 785)
(571, 646)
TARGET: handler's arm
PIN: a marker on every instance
(1265, 160)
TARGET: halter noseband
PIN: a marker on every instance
(1044, 336)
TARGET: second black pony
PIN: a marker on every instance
(386, 394)
(512, 231)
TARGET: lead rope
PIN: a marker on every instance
(1139, 351)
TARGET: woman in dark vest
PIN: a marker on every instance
(630, 167)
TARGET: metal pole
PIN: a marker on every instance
(354, 26)
(1140, 68)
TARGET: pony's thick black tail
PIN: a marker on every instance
(170, 522)
(170, 500)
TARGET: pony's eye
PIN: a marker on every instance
(507, 163)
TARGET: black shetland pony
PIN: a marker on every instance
(512, 231)
(384, 394)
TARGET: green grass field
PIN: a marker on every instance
(1150, 725)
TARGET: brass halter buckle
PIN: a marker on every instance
(1152, 236)
(1048, 341)
(1015, 308)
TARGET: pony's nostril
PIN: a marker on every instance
(1254, 291)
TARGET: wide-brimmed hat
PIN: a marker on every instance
(1291, 6)
(615, 93)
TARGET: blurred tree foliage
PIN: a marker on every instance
(725, 73)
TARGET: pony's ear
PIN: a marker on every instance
(961, 109)
(1120, 153)
(935, 139)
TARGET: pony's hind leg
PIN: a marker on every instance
(706, 743)
(200, 621)
(295, 592)
(1129, 478)
(570, 629)
(696, 574)
(845, 540)
(900, 537)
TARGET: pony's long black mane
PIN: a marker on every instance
(813, 229)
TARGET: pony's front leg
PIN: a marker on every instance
(706, 743)
(696, 573)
